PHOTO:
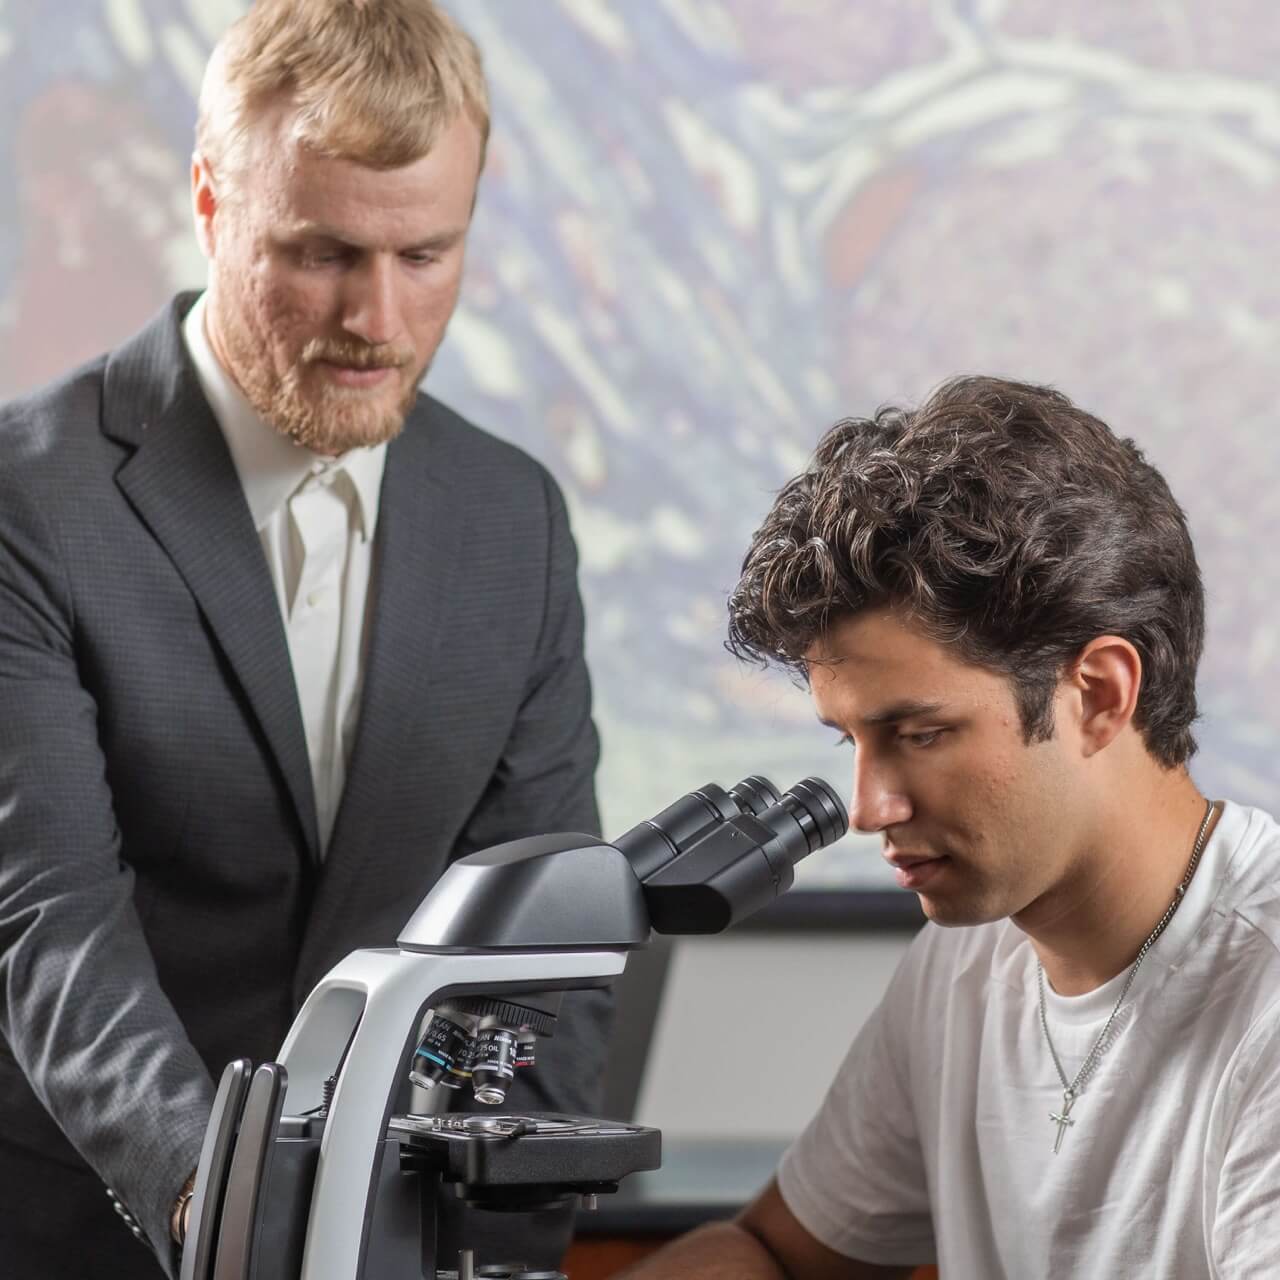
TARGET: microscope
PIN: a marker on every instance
(305, 1172)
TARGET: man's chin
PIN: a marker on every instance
(339, 423)
(954, 912)
(338, 438)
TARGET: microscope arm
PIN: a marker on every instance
(374, 1000)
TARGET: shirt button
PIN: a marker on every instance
(316, 597)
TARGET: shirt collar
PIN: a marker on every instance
(270, 465)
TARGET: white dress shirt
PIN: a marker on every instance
(316, 519)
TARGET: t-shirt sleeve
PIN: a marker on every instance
(855, 1178)
(1242, 1183)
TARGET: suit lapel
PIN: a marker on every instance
(421, 530)
(181, 481)
(420, 533)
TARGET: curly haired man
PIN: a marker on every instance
(996, 603)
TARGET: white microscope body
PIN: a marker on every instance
(306, 1173)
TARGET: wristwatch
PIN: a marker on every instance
(178, 1219)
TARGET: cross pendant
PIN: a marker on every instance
(1063, 1119)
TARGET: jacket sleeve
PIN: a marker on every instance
(82, 1010)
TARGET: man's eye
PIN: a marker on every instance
(421, 259)
(844, 740)
(926, 739)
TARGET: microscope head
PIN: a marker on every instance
(702, 864)
(715, 857)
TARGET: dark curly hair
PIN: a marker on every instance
(1008, 524)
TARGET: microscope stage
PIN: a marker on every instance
(578, 1153)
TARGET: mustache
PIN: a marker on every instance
(355, 355)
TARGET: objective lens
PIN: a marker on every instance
(526, 1053)
(494, 1066)
(443, 1055)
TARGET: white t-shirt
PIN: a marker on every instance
(935, 1142)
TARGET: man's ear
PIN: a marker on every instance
(1105, 679)
(204, 203)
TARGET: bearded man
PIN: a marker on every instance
(280, 635)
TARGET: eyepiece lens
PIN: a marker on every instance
(754, 795)
(819, 811)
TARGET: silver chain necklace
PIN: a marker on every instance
(1071, 1091)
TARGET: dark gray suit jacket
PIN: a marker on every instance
(163, 905)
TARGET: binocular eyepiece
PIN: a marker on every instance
(806, 818)
(716, 856)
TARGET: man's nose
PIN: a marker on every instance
(372, 310)
(879, 797)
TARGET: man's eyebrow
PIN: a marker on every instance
(316, 230)
(441, 240)
(907, 709)
(319, 231)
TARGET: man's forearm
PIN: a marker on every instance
(718, 1251)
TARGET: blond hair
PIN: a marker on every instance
(368, 80)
